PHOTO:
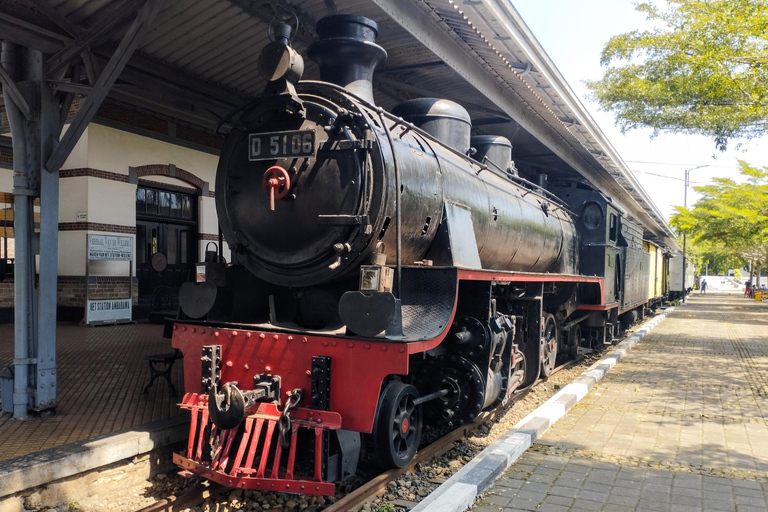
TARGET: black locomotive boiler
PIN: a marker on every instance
(381, 278)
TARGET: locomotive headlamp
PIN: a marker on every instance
(278, 61)
(375, 278)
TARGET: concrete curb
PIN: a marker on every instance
(459, 492)
(40, 468)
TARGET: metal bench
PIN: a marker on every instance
(161, 365)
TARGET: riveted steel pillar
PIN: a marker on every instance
(34, 130)
(35, 112)
(19, 63)
(45, 378)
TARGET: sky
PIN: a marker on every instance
(573, 33)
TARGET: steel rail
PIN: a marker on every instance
(379, 483)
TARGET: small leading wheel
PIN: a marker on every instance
(549, 345)
(397, 427)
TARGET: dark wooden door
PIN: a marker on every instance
(163, 236)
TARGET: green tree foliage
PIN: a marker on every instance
(702, 70)
(713, 258)
(730, 219)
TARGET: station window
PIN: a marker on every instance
(165, 204)
(613, 229)
(141, 200)
(152, 201)
(174, 205)
(186, 207)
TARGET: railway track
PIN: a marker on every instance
(198, 493)
(374, 487)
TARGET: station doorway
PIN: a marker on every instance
(166, 248)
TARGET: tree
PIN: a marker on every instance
(703, 70)
(730, 218)
(713, 258)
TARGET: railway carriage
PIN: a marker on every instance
(680, 282)
(658, 274)
(388, 271)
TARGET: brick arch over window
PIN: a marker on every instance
(173, 172)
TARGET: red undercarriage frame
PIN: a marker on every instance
(251, 456)
(209, 449)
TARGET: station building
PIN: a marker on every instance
(131, 174)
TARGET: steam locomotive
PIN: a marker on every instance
(388, 271)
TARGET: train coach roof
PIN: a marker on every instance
(198, 61)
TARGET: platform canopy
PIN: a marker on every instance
(197, 62)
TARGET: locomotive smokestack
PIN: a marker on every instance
(347, 53)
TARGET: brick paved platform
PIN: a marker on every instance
(678, 425)
(102, 371)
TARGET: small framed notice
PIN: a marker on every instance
(109, 248)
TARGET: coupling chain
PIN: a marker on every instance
(284, 423)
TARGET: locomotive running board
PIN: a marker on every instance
(229, 457)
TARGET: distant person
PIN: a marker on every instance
(748, 289)
(703, 286)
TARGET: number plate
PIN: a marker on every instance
(275, 145)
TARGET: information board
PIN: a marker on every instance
(109, 310)
(110, 247)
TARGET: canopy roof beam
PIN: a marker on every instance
(423, 24)
(104, 83)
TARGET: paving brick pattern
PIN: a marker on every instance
(678, 425)
(102, 372)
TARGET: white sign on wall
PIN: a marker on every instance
(108, 247)
(109, 310)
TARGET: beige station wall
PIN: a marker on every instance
(114, 150)
(111, 202)
(6, 180)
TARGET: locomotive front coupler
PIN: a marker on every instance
(227, 409)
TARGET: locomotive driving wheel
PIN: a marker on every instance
(549, 345)
(397, 427)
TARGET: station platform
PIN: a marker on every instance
(102, 372)
(679, 424)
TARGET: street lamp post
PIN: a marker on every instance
(685, 205)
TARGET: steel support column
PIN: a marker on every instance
(25, 184)
(35, 112)
(45, 396)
